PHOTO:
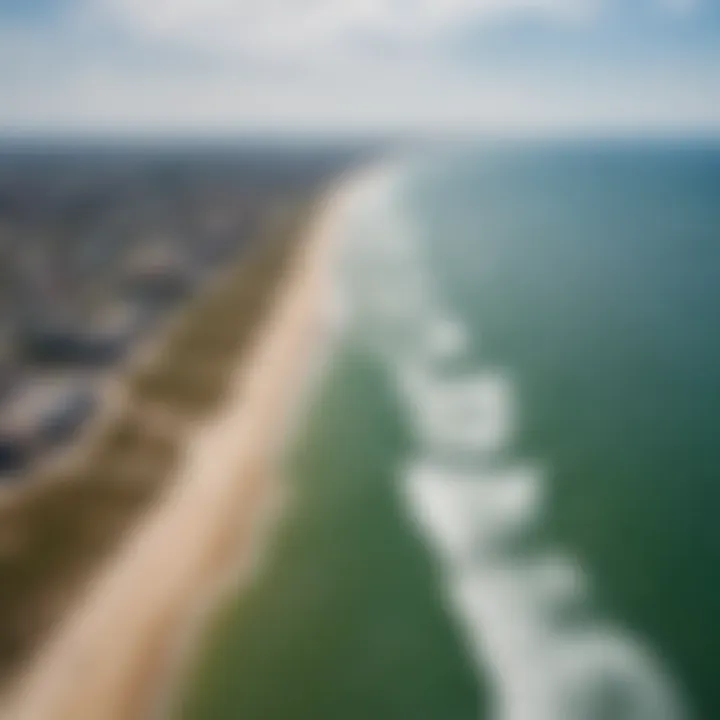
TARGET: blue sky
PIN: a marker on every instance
(487, 66)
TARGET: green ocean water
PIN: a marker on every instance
(590, 274)
(346, 619)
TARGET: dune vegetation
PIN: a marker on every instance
(57, 529)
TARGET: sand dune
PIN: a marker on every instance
(116, 652)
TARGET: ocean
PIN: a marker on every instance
(503, 500)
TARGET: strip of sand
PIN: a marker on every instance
(108, 660)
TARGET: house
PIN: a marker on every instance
(42, 413)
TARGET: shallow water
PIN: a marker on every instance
(504, 499)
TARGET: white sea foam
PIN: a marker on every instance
(525, 620)
(467, 514)
(504, 611)
(526, 600)
(471, 413)
(446, 339)
(600, 673)
(388, 293)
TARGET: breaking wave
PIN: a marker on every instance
(526, 616)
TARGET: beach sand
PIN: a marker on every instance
(117, 654)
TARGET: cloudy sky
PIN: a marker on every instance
(488, 66)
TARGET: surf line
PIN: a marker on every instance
(525, 612)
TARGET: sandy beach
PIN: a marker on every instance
(115, 656)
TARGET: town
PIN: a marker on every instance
(98, 246)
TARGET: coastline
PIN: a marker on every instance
(137, 623)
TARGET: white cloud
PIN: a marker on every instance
(288, 27)
(100, 97)
(320, 68)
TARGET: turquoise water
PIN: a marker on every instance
(576, 288)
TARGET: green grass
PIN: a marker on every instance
(52, 539)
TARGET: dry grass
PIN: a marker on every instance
(52, 540)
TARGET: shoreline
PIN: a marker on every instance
(113, 386)
(124, 645)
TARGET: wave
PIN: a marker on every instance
(526, 619)
(469, 515)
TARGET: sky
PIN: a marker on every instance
(357, 66)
